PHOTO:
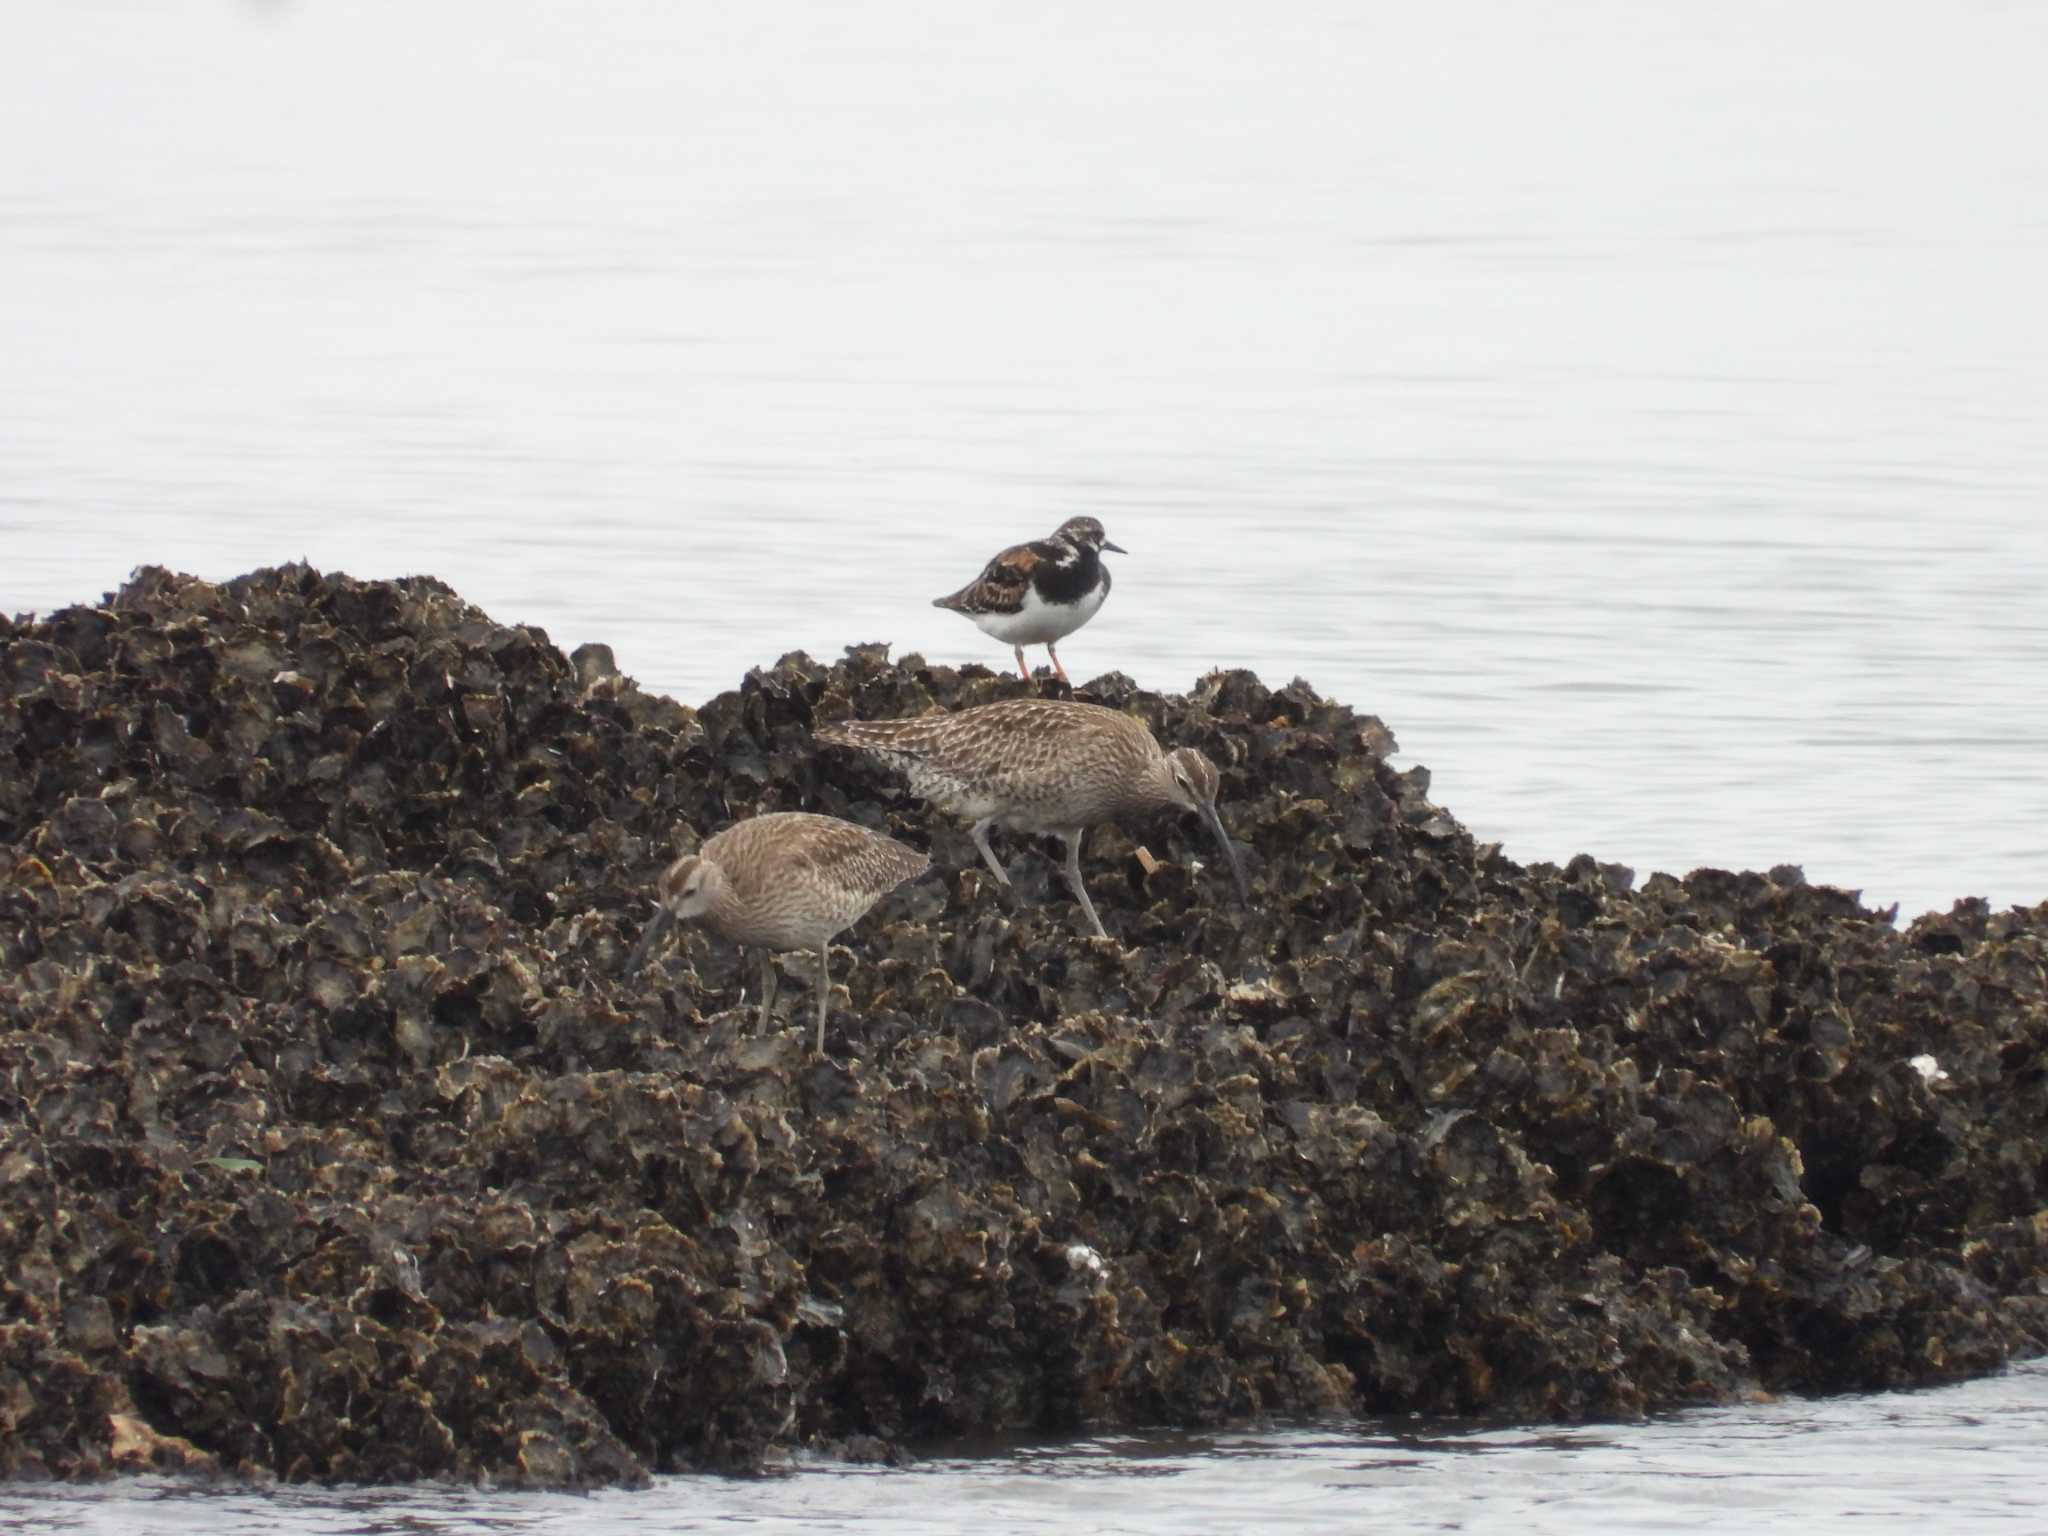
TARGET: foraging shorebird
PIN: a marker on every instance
(787, 880)
(1041, 592)
(1042, 765)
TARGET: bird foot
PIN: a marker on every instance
(975, 881)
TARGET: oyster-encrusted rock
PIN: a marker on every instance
(334, 1144)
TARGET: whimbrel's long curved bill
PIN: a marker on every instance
(1215, 820)
(657, 925)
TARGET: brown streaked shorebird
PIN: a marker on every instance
(1041, 592)
(1042, 765)
(786, 880)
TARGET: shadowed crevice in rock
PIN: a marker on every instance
(335, 1145)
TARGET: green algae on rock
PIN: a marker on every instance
(334, 1144)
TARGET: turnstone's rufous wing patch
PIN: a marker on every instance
(1001, 586)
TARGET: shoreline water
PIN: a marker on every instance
(1892, 1462)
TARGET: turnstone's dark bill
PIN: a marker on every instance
(1041, 592)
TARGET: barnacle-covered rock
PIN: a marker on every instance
(334, 1144)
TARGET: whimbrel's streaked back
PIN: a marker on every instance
(1042, 765)
(787, 880)
(1041, 592)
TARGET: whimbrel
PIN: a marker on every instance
(1041, 592)
(786, 880)
(1042, 765)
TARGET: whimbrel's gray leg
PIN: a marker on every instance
(1073, 841)
(767, 988)
(1055, 655)
(989, 854)
(1005, 891)
(824, 989)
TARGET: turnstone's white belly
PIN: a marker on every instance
(1037, 622)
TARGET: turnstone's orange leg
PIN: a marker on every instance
(1023, 666)
(1055, 655)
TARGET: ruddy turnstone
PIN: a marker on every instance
(1041, 592)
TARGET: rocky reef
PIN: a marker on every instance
(334, 1145)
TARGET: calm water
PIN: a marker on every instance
(1640, 407)
(1965, 1458)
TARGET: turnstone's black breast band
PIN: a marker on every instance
(1070, 581)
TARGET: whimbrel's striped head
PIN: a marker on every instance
(687, 888)
(1194, 778)
(1194, 782)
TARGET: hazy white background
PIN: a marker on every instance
(1642, 407)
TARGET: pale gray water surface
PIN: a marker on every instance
(1963, 1458)
(1643, 408)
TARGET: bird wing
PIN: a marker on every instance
(1026, 737)
(853, 858)
(1001, 586)
(771, 849)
